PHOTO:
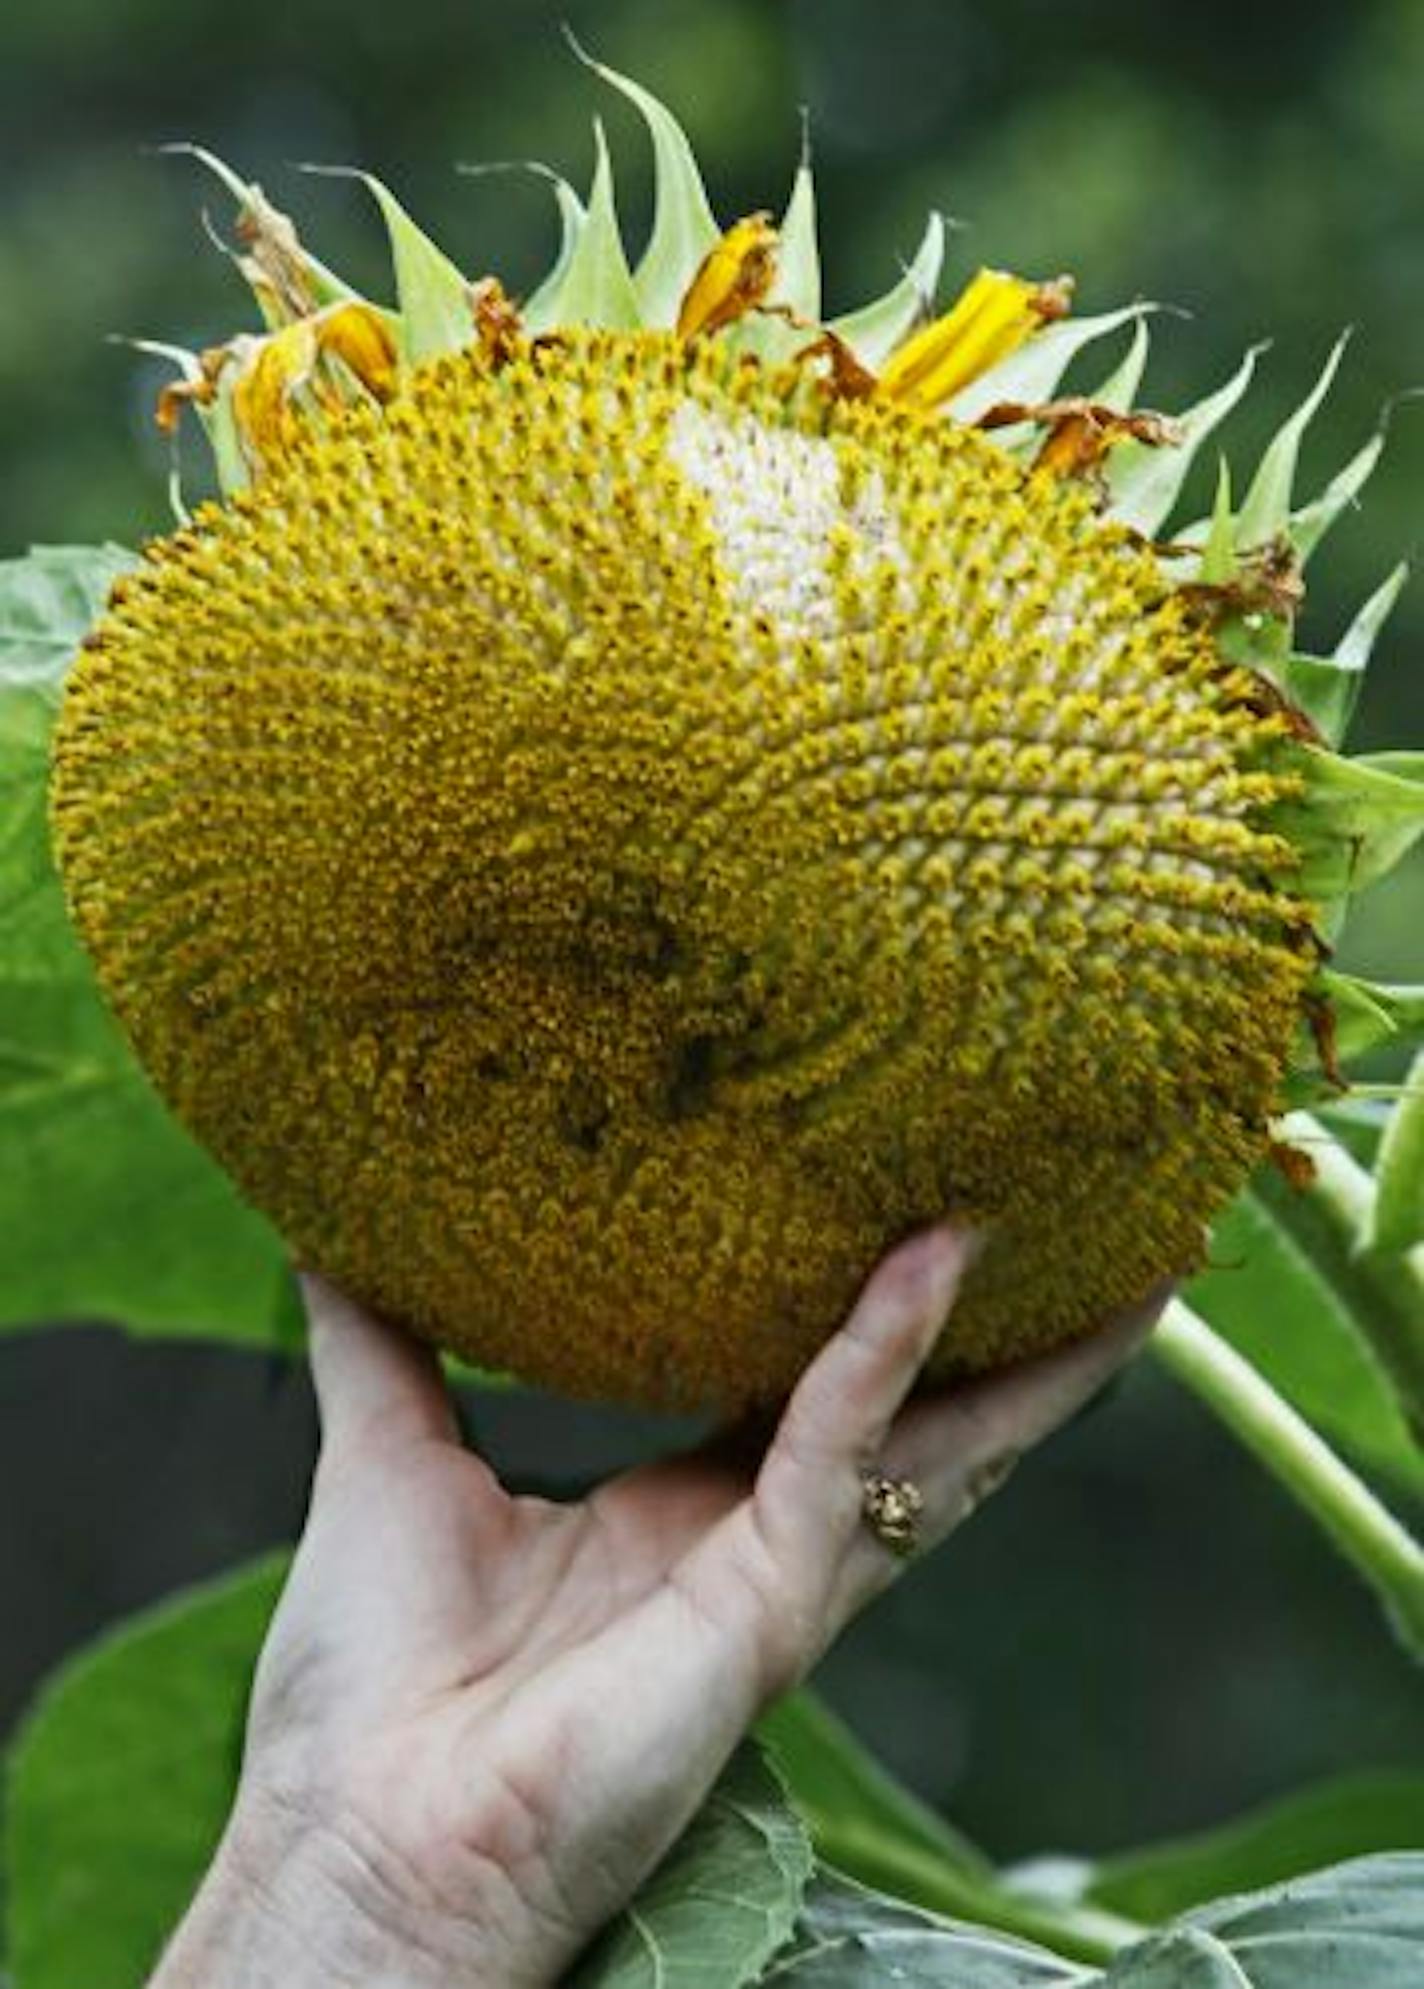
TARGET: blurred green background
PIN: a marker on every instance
(1139, 1636)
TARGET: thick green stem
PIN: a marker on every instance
(1335, 1218)
(908, 1871)
(1379, 1547)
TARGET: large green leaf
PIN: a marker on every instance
(851, 1938)
(120, 1781)
(723, 1901)
(1355, 1926)
(107, 1208)
(1272, 1298)
(1341, 1819)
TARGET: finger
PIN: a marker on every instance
(960, 1445)
(374, 1382)
(808, 1491)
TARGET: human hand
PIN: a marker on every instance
(479, 1720)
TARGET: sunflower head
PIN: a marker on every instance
(639, 796)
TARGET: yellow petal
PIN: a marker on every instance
(361, 338)
(991, 318)
(733, 278)
(263, 394)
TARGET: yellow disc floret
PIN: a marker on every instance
(602, 846)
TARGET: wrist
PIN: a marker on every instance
(291, 1900)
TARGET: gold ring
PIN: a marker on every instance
(891, 1508)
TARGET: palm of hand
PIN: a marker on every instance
(494, 1713)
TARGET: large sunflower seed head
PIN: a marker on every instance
(638, 801)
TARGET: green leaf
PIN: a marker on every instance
(432, 296)
(684, 227)
(597, 287)
(1309, 525)
(851, 1938)
(1145, 482)
(120, 1781)
(1398, 1222)
(108, 1209)
(48, 603)
(722, 1902)
(1358, 1925)
(1346, 1818)
(873, 332)
(1033, 372)
(1266, 509)
(839, 1786)
(1271, 1298)
(1354, 1926)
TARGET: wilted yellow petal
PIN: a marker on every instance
(361, 338)
(991, 318)
(734, 277)
(263, 394)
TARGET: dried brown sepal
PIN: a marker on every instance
(1081, 432)
(498, 326)
(274, 263)
(846, 378)
(1320, 1020)
(1053, 299)
(198, 391)
(1268, 581)
(1292, 1163)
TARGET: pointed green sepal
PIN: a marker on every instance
(1327, 687)
(1145, 483)
(597, 286)
(1397, 1221)
(1309, 525)
(432, 296)
(1266, 508)
(798, 261)
(873, 331)
(1326, 694)
(684, 226)
(1355, 819)
(1119, 390)
(220, 427)
(797, 285)
(1369, 1013)
(1218, 554)
(538, 311)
